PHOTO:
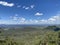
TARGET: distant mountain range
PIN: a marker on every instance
(24, 25)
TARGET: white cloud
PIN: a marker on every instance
(22, 19)
(32, 6)
(57, 17)
(27, 8)
(19, 6)
(6, 3)
(16, 14)
(43, 20)
(16, 19)
(38, 14)
(24, 7)
(54, 18)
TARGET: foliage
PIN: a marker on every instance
(33, 37)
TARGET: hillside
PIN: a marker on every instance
(35, 35)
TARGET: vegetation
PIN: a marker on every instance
(30, 36)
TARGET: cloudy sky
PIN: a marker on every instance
(29, 11)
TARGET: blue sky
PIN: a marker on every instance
(29, 11)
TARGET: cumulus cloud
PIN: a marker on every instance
(28, 7)
(32, 6)
(38, 14)
(51, 20)
(22, 20)
(24, 7)
(6, 3)
(54, 18)
(16, 19)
